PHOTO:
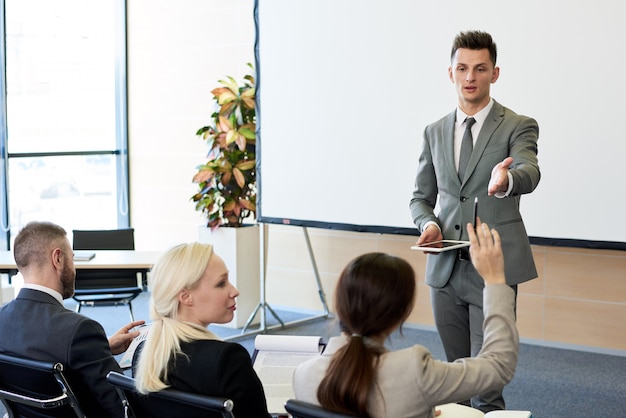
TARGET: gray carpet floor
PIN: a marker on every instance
(550, 382)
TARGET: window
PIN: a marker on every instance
(64, 120)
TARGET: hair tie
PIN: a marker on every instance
(357, 335)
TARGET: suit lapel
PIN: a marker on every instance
(448, 135)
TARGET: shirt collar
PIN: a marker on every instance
(45, 289)
(480, 116)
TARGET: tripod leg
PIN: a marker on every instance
(275, 315)
(251, 317)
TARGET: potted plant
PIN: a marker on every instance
(227, 189)
(227, 181)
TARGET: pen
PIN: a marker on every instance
(475, 211)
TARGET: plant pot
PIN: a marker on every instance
(240, 250)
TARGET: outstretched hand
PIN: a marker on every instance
(120, 341)
(486, 253)
(499, 181)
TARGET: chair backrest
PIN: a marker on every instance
(108, 239)
(300, 409)
(168, 402)
(88, 280)
(36, 389)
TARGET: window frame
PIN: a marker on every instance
(121, 128)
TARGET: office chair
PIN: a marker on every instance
(169, 403)
(31, 388)
(300, 409)
(105, 287)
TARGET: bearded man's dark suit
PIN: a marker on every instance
(35, 325)
(504, 133)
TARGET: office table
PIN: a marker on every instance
(137, 261)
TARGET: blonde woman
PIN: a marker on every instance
(190, 290)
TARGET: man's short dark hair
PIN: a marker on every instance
(33, 241)
(475, 40)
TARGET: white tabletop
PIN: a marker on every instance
(109, 259)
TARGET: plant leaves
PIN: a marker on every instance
(224, 95)
(241, 141)
(227, 109)
(239, 177)
(203, 130)
(247, 132)
(231, 84)
(231, 136)
(229, 205)
(226, 178)
(248, 205)
(203, 176)
(227, 189)
(224, 124)
(221, 140)
(246, 165)
(249, 103)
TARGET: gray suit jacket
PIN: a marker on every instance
(503, 134)
(37, 326)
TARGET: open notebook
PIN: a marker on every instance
(275, 359)
(452, 410)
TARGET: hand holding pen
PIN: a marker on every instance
(475, 217)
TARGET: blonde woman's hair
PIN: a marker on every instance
(179, 268)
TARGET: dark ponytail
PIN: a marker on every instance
(374, 295)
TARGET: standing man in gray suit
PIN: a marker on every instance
(500, 159)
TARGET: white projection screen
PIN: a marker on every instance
(346, 87)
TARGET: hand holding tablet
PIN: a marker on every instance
(441, 246)
(447, 244)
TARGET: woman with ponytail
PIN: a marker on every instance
(356, 375)
(191, 290)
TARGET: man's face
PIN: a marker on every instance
(472, 73)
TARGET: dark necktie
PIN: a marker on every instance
(467, 145)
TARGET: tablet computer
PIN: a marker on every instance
(441, 246)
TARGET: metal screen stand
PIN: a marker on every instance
(263, 305)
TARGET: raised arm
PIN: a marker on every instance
(495, 365)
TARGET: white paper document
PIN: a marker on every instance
(275, 360)
(452, 410)
(509, 414)
(127, 359)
